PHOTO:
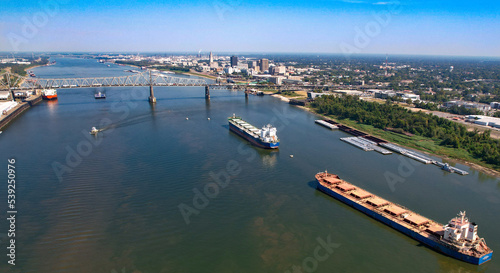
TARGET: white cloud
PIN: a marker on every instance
(385, 3)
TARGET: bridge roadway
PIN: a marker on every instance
(12, 81)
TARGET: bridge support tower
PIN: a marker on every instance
(207, 92)
(152, 98)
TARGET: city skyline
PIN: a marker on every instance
(346, 27)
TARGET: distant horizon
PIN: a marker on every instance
(227, 53)
(349, 27)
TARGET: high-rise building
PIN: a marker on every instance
(264, 65)
(272, 70)
(234, 61)
(277, 70)
(211, 58)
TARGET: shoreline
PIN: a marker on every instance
(35, 66)
(472, 165)
(199, 75)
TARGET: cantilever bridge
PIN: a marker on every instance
(12, 81)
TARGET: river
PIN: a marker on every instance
(167, 188)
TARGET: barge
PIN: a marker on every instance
(326, 124)
(457, 239)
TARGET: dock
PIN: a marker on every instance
(423, 158)
(12, 112)
(365, 144)
(409, 153)
(9, 110)
(369, 143)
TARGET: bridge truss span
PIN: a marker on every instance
(147, 78)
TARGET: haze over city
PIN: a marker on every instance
(348, 26)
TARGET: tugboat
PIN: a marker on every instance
(99, 95)
(447, 168)
(94, 131)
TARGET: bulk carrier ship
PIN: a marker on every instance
(457, 239)
(264, 138)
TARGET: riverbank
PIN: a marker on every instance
(200, 75)
(35, 66)
(422, 144)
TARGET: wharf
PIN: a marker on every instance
(13, 109)
(365, 144)
(371, 143)
(422, 158)
(33, 100)
(408, 153)
(8, 115)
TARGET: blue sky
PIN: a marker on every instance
(330, 26)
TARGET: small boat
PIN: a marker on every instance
(94, 131)
(99, 95)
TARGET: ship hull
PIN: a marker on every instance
(436, 245)
(49, 97)
(255, 141)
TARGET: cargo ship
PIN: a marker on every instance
(49, 94)
(263, 138)
(457, 239)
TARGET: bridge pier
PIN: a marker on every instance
(152, 98)
(207, 92)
